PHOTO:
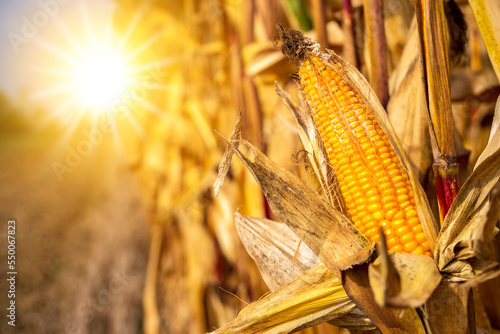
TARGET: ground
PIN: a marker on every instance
(81, 240)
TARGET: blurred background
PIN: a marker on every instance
(112, 118)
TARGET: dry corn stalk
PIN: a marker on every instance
(374, 182)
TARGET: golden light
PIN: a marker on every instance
(100, 79)
(88, 70)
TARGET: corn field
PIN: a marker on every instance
(431, 87)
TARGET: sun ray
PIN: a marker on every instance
(69, 37)
(130, 29)
(92, 74)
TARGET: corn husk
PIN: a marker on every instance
(334, 240)
(407, 109)
(313, 145)
(403, 280)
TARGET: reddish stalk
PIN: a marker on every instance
(446, 174)
(436, 78)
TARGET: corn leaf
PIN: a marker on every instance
(225, 162)
(461, 243)
(312, 298)
(377, 47)
(436, 74)
(486, 14)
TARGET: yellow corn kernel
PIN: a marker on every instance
(419, 250)
(393, 242)
(398, 248)
(411, 246)
(402, 231)
(374, 184)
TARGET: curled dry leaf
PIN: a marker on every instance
(388, 320)
(225, 162)
(416, 276)
(465, 232)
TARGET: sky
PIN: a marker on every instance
(30, 28)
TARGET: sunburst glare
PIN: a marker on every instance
(95, 72)
(100, 78)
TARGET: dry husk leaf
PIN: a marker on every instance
(278, 252)
(403, 280)
(388, 320)
(311, 140)
(407, 109)
(461, 245)
(436, 76)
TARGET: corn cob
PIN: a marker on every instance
(375, 186)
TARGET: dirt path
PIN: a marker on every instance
(82, 242)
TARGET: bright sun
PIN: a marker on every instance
(100, 78)
(92, 72)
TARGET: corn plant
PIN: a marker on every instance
(381, 259)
